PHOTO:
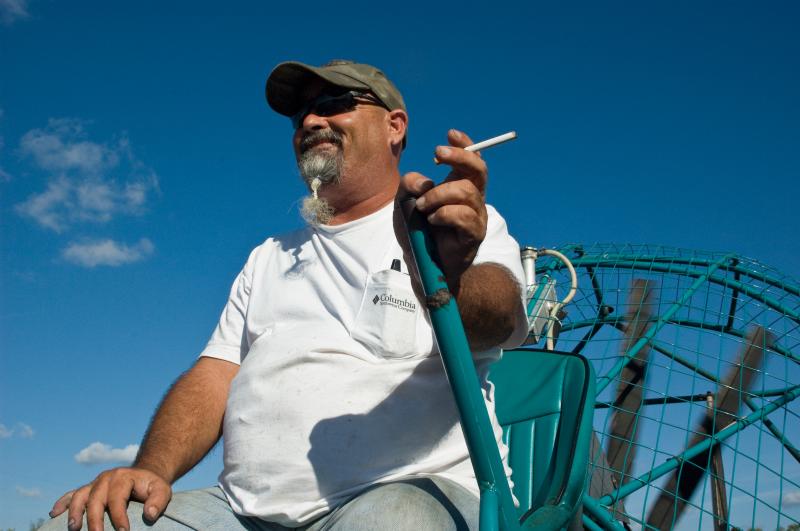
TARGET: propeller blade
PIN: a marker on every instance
(719, 496)
(681, 485)
(602, 481)
(628, 401)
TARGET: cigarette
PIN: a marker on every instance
(486, 144)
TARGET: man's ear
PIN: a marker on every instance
(398, 124)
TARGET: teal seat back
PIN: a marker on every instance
(544, 401)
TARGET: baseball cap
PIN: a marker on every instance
(285, 84)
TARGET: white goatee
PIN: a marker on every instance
(316, 211)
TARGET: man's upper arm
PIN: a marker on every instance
(229, 340)
(499, 248)
(216, 369)
(520, 331)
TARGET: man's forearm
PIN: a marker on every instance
(489, 300)
(188, 422)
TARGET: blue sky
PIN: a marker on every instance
(139, 164)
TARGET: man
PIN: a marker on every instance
(323, 374)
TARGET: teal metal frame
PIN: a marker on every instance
(497, 509)
(597, 514)
(496, 502)
(674, 462)
(702, 278)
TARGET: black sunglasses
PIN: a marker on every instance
(330, 105)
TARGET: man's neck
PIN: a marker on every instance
(363, 208)
(359, 197)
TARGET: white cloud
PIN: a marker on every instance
(791, 498)
(4, 175)
(98, 452)
(28, 493)
(62, 146)
(84, 184)
(25, 276)
(49, 208)
(25, 431)
(107, 253)
(13, 10)
(20, 430)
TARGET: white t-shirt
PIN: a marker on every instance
(341, 385)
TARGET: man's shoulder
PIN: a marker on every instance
(292, 237)
(492, 211)
(495, 220)
(286, 241)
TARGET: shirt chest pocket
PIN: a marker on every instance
(386, 322)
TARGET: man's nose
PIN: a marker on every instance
(314, 122)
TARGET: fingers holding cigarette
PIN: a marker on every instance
(459, 139)
(465, 166)
(456, 139)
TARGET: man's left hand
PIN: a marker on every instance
(456, 208)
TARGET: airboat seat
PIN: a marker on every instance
(544, 401)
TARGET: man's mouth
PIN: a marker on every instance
(316, 140)
(323, 143)
(319, 144)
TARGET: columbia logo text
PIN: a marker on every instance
(386, 299)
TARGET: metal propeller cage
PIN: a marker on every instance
(697, 356)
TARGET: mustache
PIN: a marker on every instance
(315, 137)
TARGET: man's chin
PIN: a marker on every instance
(323, 160)
(322, 146)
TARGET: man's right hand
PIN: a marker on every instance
(111, 491)
(187, 424)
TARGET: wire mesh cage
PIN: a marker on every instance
(697, 357)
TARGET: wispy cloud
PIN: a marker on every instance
(13, 10)
(106, 252)
(25, 276)
(63, 146)
(46, 207)
(28, 493)
(791, 498)
(25, 431)
(84, 177)
(20, 430)
(4, 175)
(98, 452)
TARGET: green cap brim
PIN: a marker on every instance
(285, 85)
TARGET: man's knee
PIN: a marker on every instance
(59, 523)
(419, 503)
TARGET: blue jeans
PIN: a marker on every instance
(414, 504)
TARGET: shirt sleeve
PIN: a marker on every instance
(229, 339)
(500, 248)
